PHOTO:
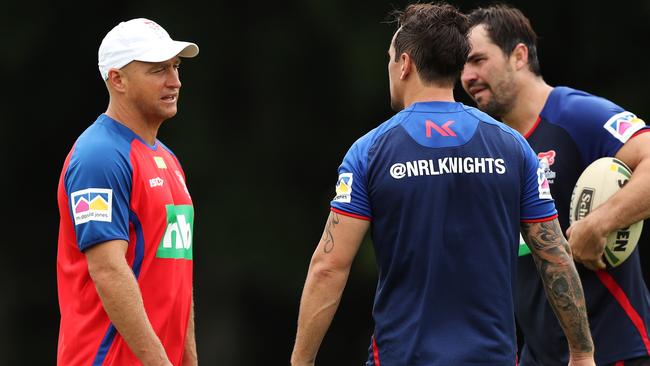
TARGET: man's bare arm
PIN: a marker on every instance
(118, 289)
(326, 279)
(562, 284)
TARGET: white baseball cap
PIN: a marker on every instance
(139, 40)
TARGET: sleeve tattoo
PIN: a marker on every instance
(328, 237)
(552, 256)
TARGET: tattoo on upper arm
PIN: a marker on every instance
(328, 237)
(552, 256)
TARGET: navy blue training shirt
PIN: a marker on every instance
(574, 129)
(446, 188)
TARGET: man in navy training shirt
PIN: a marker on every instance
(447, 190)
(568, 129)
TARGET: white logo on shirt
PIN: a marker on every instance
(156, 182)
(623, 125)
(448, 165)
(92, 204)
(344, 188)
(182, 180)
(543, 187)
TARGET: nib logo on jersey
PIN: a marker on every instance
(177, 241)
(623, 125)
(92, 204)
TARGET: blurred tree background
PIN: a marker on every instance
(278, 93)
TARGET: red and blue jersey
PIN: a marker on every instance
(446, 188)
(115, 186)
(574, 129)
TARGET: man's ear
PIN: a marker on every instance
(407, 65)
(519, 56)
(117, 79)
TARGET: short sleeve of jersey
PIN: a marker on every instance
(598, 126)
(536, 203)
(351, 190)
(98, 185)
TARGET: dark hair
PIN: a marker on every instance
(507, 27)
(435, 37)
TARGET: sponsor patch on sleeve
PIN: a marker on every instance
(344, 188)
(623, 125)
(92, 204)
(543, 187)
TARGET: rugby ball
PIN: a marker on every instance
(599, 181)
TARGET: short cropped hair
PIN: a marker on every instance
(507, 27)
(434, 35)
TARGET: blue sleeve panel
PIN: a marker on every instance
(351, 190)
(599, 126)
(98, 184)
(352, 184)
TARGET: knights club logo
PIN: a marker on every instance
(546, 159)
(442, 130)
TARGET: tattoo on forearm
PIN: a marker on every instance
(552, 256)
(328, 237)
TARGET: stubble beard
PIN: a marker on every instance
(496, 108)
(502, 99)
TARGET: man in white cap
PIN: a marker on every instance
(124, 263)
